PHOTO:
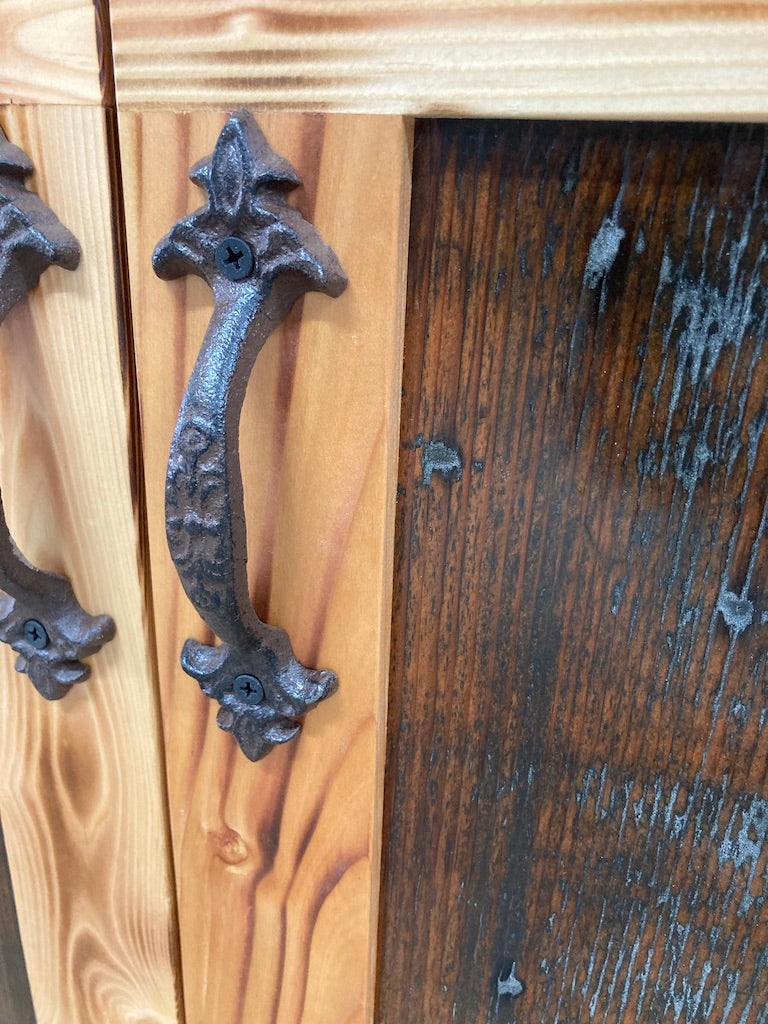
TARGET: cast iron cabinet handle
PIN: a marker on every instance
(258, 255)
(40, 616)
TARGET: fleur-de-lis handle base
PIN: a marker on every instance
(40, 617)
(258, 255)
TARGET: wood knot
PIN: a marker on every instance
(229, 845)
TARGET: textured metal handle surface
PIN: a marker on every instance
(40, 616)
(258, 255)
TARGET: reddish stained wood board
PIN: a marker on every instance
(277, 862)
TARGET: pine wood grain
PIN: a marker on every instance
(81, 780)
(576, 816)
(49, 52)
(278, 862)
(515, 58)
(15, 997)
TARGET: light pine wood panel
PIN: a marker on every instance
(81, 780)
(49, 51)
(278, 862)
(575, 58)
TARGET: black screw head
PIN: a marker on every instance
(249, 689)
(35, 634)
(234, 258)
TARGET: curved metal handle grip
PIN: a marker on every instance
(259, 255)
(40, 616)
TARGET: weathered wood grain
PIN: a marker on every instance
(576, 815)
(515, 58)
(49, 52)
(278, 862)
(81, 780)
(15, 997)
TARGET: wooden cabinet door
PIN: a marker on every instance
(277, 862)
(273, 914)
(82, 801)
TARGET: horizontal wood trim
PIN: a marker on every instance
(49, 51)
(565, 58)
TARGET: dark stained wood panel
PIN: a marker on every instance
(576, 806)
(15, 997)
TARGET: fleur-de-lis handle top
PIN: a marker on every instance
(40, 616)
(258, 255)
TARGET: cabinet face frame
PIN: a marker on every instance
(677, 65)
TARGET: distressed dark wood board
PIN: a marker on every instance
(576, 808)
(15, 997)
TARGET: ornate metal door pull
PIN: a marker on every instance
(39, 614)
(258, 255)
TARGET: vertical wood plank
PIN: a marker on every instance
(81, 780)
(576, 811)
(278, 862)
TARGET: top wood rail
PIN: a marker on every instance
(514, 58)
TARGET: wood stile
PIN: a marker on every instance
(81, 780)
(277, 863)
(514, 58)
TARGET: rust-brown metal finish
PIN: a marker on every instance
(258, 255)
(40, 616)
